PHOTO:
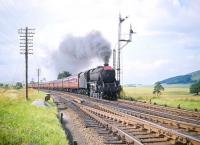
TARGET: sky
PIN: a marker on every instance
(166, 42)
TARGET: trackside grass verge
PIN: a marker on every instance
(22, 123)
(172, 96)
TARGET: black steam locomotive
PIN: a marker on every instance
(99, 82)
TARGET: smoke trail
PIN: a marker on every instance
(77, 53)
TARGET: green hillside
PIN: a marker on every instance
(195, 75)
(183, 79)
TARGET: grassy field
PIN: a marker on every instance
(173, 95)
(22, 123)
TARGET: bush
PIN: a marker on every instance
(18, 85)
(127, 98)
(1, 85)
(6, 86)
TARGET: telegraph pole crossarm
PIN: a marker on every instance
(25, 34)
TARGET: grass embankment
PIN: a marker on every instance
(22, 123)
(172, 96)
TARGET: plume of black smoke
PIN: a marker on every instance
(77, 53)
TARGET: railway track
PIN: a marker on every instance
(133, 130)
(156, 113)
(132, 127)
(172, 110)
(87, 120)
(191, 115)
(179, 123)
(187, 128)
(166, 112)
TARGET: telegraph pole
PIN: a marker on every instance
(38, 73)
(114, 59)
(126, 41)
(25, 43)
(119, 37)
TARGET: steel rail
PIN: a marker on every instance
(131, 120)
(150, 112)
(153, 112)
(181, 112)
(175, 123)
(126, 138)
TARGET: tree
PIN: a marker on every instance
(63, 74)
(195, 88)
(18, 85)
(6, 86)
(1, 85)
(158, 88)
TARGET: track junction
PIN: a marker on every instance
(124, 122)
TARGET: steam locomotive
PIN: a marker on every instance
(99, 82)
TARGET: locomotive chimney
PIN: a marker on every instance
(105, 64)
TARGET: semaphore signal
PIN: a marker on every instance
(125, 42)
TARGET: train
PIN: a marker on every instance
(99, 82)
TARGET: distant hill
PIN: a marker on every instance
(183, 79)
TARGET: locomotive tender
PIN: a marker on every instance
(99, 82)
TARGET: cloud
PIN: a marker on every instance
(167, 32)
(142, 70)
(146, 65)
